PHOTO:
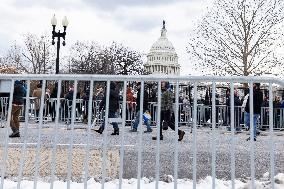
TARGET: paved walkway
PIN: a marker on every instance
(204, 151)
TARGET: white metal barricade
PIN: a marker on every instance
(72, 111)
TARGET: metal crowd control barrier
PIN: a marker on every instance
(204, 113)
(278, 121)
(4, 102)
(195, 114)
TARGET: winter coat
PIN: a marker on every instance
(54, 93)
(282, 104)
(237, 101)
(167, 100)
(145, 101)
(129, 98)
(19, 93)
(69, 95)
(37, 93)
(257, 102)
(113, 99)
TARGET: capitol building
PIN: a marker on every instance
(162, 58)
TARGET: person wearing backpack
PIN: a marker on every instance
(17, 104)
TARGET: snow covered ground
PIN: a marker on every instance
(206, 183)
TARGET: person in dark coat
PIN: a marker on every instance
(167, 114)
(86, 97)
(237, 110)
(17, 104)
(53, 95)
(257, 103)
(113, 108)
(145, 108)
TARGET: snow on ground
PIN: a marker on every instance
(146, 184)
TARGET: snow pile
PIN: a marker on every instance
(147, 184)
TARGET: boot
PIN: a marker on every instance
(148, 131)
(15, 134)
(133, 130)
(180, 135)
(155, 138)
(100, 130)
(115, 132)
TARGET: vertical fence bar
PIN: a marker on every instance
(23, 153)
(71, 136)
(5, 150)
(122, 134)
(140, 135)
(176, 135)
(55, 134)
(37, 157)
(271, 136)
(105, 135)
(194, 135)
(87, 149)
(213, 163)
(233, 134)
(252, 168)
(158, 137)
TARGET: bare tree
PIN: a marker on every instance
(125, 60)
(84, 58)
(90, 58)
(239, 37)
(37, 54)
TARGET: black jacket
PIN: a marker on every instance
(19, 93)
(237, 101)
(145, 101)
(257, 102)
(113, 99)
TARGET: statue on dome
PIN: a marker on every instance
(163, 31)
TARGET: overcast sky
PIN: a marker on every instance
(134, 23)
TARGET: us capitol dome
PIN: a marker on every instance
(162, 58)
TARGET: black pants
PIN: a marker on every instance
(169, 118)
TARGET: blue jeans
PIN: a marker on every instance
(136, 122)
(111, 115)
(255, 120)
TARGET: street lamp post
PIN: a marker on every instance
(58, 35)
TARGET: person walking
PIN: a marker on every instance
(145, 109)
(113, 108)
(257, 103)
(17, 104)
(37, 94)
(167, 111)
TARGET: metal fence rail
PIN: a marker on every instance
(76, 111)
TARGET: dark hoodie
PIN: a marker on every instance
(257, 102)
(113, 99)
(19, 93)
